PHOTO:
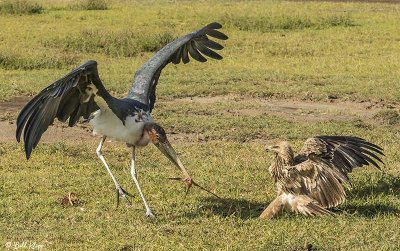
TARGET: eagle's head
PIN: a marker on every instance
(281, 149)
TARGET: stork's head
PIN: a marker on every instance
(156, 134)
(282, 149)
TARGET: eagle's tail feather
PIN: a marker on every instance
(307, 206)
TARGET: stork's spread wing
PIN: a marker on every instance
(325, 161)
(195, 44)
(68, 98)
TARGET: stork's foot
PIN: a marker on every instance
(124, 194)
(149, 213)
(188, 181)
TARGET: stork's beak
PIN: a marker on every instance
(162, 143)
(166, 148)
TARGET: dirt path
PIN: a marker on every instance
(295, 110)
(355, 1)
(57, 133)
(14, 105)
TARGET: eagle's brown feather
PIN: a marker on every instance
(315, 179)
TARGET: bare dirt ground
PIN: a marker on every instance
(57, 133)
(294, 110)
(361, 1)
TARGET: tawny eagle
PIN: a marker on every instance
(315, 179)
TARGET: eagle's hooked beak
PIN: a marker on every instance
(268, 148)
(159, 139)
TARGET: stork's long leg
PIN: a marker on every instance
(149, 213)
(120, 190)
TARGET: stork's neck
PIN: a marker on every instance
(104, 100)
(113, 103)
(102, 92)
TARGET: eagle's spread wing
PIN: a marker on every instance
(70, 97)
(194, 44)
(325, 161)
(341, 152)
(322, 183)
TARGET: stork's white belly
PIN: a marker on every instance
(108, 124)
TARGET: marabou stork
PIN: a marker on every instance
(81, 93)
(314, 180)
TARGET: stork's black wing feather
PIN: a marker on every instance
(67, 98)
(196, 44)
(341, 152)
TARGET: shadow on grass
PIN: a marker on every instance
(386, 185)
(369, 211)
(228, 207)
(362, 201)
(370, 192)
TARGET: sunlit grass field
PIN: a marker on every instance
(330, 53)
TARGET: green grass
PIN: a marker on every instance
(31, 208)
(20, 7)
(14, 60)
(391, 117)
(271, 22)
(277, 51)
(126, 43)
(90, 5)
(349, 50)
